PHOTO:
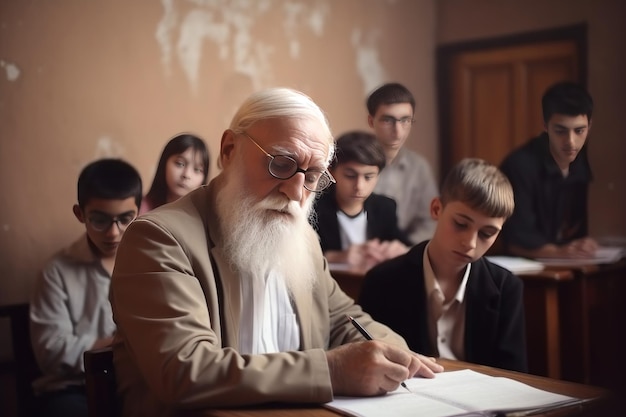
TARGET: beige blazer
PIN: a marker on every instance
(177, 305)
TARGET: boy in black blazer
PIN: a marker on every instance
(442, 296)
(355, 226)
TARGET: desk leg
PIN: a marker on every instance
(542, 306)
(553, 336)
(585, 330)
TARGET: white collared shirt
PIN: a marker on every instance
(446, 321)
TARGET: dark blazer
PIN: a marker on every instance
(382, 221)
(393, 292)
(548, 207)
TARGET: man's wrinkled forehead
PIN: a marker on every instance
(306, 138)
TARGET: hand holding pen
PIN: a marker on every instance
(374, 367)
(368, 336)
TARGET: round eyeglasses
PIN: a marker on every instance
(284, 167)
(102, 222)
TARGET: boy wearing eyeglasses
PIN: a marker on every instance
(408, 177)
(70, 310)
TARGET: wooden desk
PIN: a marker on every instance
(542, 306)
(350, 280)
(593, 316)
(599, 396)
(582, 309)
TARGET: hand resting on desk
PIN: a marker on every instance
(585, 247)
(374, 368)
(368, 254)
(582, 248)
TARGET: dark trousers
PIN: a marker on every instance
(69, 402)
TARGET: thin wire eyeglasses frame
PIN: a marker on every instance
(298, 169)
(392, 121)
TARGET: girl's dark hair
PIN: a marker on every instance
(157, 195)
(360, 147)
(110, 179)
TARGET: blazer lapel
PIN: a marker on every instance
(231, 311)
(302, 302)
(482, 309)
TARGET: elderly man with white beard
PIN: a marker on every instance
(223, 298)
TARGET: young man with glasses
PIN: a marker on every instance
(407, 177)
(237, 305)
(70, 310)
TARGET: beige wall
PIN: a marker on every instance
(86, 79)
(463, 20)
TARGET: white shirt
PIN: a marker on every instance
(446, 322)
(268, 321)
(352, 229)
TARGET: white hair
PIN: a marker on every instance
(280, 102)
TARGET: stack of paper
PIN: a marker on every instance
(454, 393)
(604, 255)
(517, 265)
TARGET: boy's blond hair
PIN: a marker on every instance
(480, 185)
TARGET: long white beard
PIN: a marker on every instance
(271, 234)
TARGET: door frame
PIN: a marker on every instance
(446, 52)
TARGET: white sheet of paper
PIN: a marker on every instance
(453, 393)
(604, 255)
(517, 265)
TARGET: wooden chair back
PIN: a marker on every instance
(100, 383)
(24, 365)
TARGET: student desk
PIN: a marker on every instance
(575, 315)
(599, 395)
(574, 320)
(349, 279)
(542, 306)
(593, 318)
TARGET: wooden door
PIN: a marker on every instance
(490, 96)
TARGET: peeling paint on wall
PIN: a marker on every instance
(298, 14)
(368, 63)
(12, 70)
(106, 147)
(229, 24)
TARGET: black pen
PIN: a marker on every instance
(368, 336)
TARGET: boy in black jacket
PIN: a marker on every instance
(355, 225)
(442, 296)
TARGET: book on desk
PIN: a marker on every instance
(455, 393)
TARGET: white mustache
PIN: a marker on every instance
(280, 204)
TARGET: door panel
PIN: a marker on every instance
(497, 95)
(493, 101)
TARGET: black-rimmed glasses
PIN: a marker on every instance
(389, 121)
(101, 222)
(284, 167)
